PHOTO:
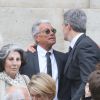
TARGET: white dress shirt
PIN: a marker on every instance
(43, 64)
(72, 43)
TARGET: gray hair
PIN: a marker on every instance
(35, 27)
(6, 49)
(77, 19)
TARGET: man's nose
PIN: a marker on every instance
(52, 33)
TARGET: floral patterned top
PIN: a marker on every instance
(18, 81)
(6, 81)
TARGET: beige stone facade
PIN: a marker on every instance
(17, 17)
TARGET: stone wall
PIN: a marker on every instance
(17, 17)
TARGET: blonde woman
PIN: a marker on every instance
(42, 87)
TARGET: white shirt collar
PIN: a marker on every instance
(42, 51)
(72, 43)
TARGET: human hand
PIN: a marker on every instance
(87, 91)
(31, 48)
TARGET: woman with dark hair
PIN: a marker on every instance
(12, 58)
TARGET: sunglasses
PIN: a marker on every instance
(47, 31)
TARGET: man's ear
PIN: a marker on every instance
(36, 37)
(69, 26)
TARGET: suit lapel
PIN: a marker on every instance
(36, 62)
(69, 60)
(70, 57)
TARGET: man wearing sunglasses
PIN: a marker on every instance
(44, 36)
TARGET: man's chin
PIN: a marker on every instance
(53, 43)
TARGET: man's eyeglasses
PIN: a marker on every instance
(47, 31)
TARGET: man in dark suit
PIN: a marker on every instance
(44, 36)
(83, 55)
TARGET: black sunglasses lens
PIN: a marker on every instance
(53, 30)
(47, 31)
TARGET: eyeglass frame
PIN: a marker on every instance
(47, 31)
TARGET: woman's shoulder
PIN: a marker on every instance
(1, 81)
(2, 84)
(26, 78)
(1, 75)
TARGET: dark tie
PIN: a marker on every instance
(69, 51)
(70, 48)
(49, 68)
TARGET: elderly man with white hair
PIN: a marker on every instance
(45, 58)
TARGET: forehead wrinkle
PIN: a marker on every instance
(45, 26)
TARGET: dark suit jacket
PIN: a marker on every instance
(32, 65)
(80, 63)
